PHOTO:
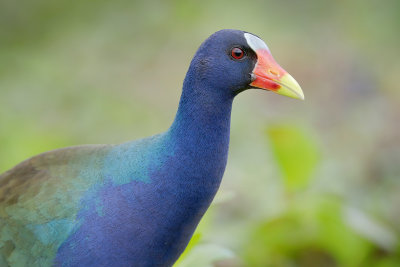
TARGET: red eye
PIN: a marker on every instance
(237, 53)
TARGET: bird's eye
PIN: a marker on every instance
(237, 53)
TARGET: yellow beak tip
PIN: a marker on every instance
(290, 87)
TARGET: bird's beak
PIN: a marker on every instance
(268, 75)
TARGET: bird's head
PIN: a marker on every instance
(236, 60)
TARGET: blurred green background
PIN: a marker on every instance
(308, 183)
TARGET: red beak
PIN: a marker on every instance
(270, 76)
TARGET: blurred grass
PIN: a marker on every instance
(319, 188)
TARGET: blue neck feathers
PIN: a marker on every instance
(199, 139)
(201, 128)
(160, 187)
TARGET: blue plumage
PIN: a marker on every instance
(137, 203)
(160, 187)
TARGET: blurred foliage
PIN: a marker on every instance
(295, 152)
(319, 188)
(313, 232)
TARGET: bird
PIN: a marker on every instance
(137, 203)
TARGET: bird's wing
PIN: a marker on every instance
(39, 201)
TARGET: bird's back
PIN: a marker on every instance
(39, 200)
(48, 202)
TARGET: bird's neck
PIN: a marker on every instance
(200, 131)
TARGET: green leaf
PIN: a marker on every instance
(205, 255)
(295, 152)
(193, 242)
